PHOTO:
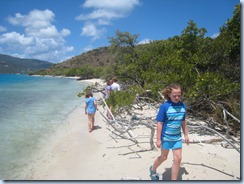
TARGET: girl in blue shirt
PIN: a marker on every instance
(170, 118)
(90, 109)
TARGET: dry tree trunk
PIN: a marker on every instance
(214, 131)
(121, 129)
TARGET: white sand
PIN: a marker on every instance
(94, 81)
(76, 154)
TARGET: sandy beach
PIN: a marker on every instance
(75, 154)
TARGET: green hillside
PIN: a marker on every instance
(86, 65)
(9, 64)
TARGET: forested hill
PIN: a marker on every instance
(97, 57)
(9, 64)
(85, 65)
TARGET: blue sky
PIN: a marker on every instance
(56, 30)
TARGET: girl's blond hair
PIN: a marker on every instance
(167, 90)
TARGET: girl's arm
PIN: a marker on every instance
(95, 104)
(159, 134)
(109, 91)
(86, 109)
(185, 131)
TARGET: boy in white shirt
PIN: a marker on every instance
(115, 86)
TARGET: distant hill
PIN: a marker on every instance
(97, 57)
(9, 64)
(86, 65)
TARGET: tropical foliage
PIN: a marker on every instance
(207, 68)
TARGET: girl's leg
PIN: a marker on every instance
(177, 155)
(92, 121)
(89, 122)
(108, 114)
(159, 160)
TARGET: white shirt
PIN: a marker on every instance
(115, 86)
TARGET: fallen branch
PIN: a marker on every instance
(122, 127)
(219, 134)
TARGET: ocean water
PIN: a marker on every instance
(31, 109)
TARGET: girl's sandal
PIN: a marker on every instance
(154, 176)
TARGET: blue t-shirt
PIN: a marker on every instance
(91, 109)
(171, 115)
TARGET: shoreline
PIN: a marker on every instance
(76, 154)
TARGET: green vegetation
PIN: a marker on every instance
(207, 68)
(91, 64)
(9, 64)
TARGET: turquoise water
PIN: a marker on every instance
(31, 109)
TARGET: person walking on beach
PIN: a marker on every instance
(108, 90)
(90, 109)
(170, 118)
(115, 86)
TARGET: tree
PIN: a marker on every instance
(127, 66)
(191, 40)
(229, 40)
(123, 39)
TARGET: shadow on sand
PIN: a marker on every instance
(167, 173)
(96, 127)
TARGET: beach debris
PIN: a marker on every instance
(126, 121)
(219, 134)
(123, 127)
(225, 144)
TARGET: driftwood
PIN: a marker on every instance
(225, 113)
(119, 130)
(214, 131)
(123, 127)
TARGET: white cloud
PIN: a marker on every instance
(145, 41)
(35, 18)
(89, 30)
(215, 35)
(3, 29)
(103, 13)
(119, 5)
(92, 31)
(100, 14)
(40, 39)
(15, 39)
(65, 32)
(103, 22)
(44, 32)
(69, 49)
(86, 49)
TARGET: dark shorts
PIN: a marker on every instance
(167, 145)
